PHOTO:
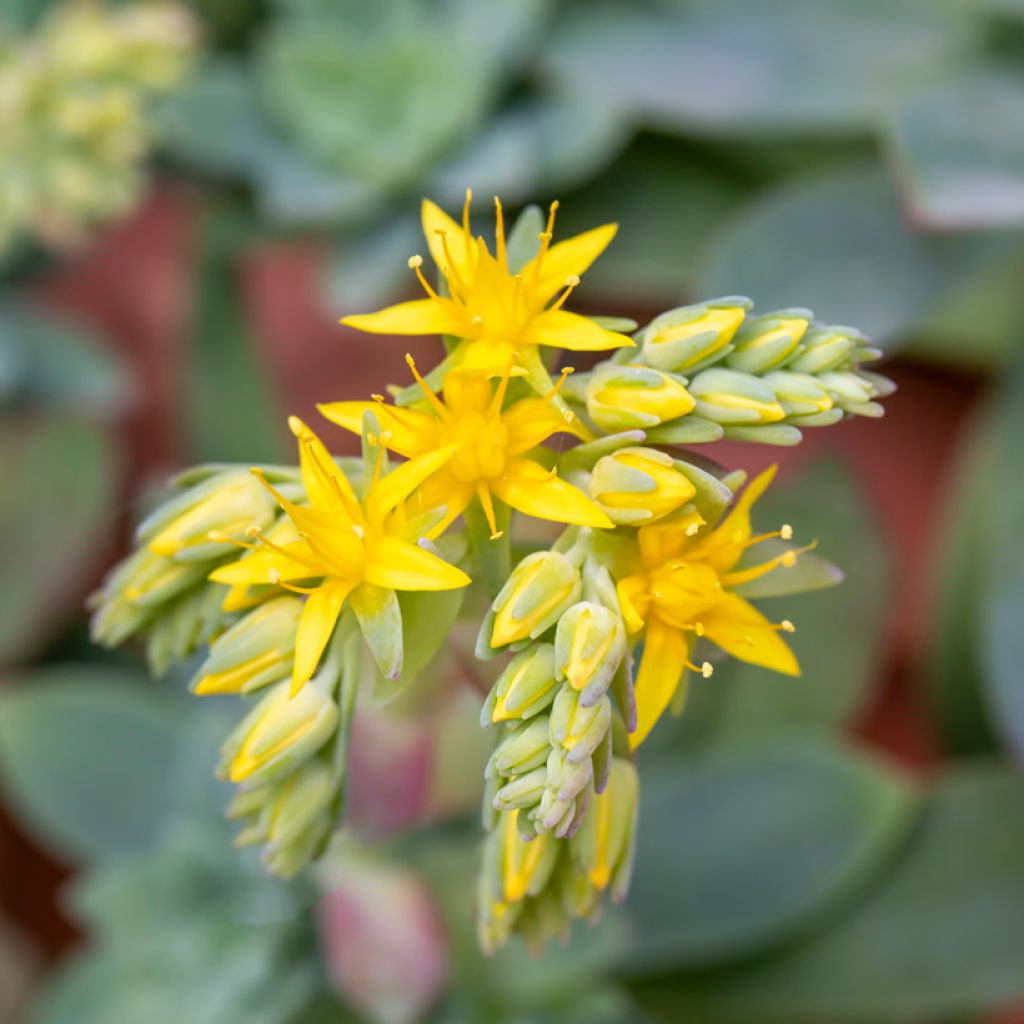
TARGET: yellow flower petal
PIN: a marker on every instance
(394, 488)
(399, 565)
(325, 484)
(441, 233)
(534, 420)
(742, 631)
(562, 329)
(291, 562)
(723, 546)
(319, 615)
(568, 258)
(661, 668)
(442, 490)
(536, 491)
(412, 432)
(421, 316)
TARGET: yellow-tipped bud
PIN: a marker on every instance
(626, 397)
(689, 336)
(527, 685)
(769, 340)
(279, 734)
(799, 393)
(733, 398)
(590, 643)
(540, 588)
(603, 846)
(638, 485)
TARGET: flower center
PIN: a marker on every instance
(684, 591)
(483, 444)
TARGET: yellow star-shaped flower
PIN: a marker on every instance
(364, 549)
(500, 316)
(685, 590)
(484, 449)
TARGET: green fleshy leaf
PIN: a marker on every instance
(380, 621)
(938, 938)
(742, 849)
(87, 755)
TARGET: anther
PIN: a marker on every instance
(295, 425)
(692, 529)
(707, 670)
(787, 626)
(253, 531)
(358, 531)
(377, 398)
(275, 576)
(698, 628)
(415, 262)
(786, 533)
(789, 559)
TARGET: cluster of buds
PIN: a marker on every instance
(291, 576)
(72, 113)
(712, 370)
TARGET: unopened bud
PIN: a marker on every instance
(255, 651)
(525, 866)
(590, 643)
(628, 397)
(731, 397)
(689, 336)
(638, 485)
(540, 588)
(523, 749)
(603, 845)
(769, 340)
(800, 394)
(522, 791)
(576, 728)
(279, 734)
(825, 348)
(527, 686)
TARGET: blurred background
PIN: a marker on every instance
(191, 195)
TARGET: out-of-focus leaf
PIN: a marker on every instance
(960, 150)
(838, 243)
(370, 266)
(938, 938)
(668, 207)
(839, 631)
(234, 412)
(1000, 619)
(954, 671)
(548, 142)
(741, 848)
(811, 572)
(718, 66)
(87, 753)
(59, 487)
(48, 362)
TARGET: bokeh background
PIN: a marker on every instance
(183, 220)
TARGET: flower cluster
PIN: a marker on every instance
(72, 113)
(288, 575)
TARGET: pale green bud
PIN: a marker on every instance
(603, 846)
(518, 869)
(523, 749)
(255, 651)
(851, 392)
(627, 397)
(689, 336)
(881, 386)
(188, 621)
(230, 505)
(527, 686)
(576, 893)
(523, 791)
(799, 393)
(730, 397)
(825, 348)
(540, 588)
(576, 728)
(590, 643)
(638, 485)
(769, 340)
(279, 734)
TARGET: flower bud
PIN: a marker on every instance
(255, 651)
(526, 867)
(800, 394)
(540, 588)
(279, 734)
(689, 336)
(523, 749)
(590, 643)
(638, 485)
(603, 845)
(851, 392)
(522, 791)
(825, 348)
(731, 397)
(769, 340)
(628, 397)
(226, 504)
(578, 729)
(527, 685)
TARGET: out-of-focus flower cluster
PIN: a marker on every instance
(291, 575)
(73, 118)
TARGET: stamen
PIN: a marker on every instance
(254, 530)
(787, 626)
(378, 398)
(465, 212)
(571, 282)
(455, 282)
(786, 532)
(499, 234)
(499, 392)
(692, 530)
(556, 387)
(705, 668)
(488, 506)
(358, 531)
(416, 264)
(220, 537)
(277, 549)
(435, 403)
(789, 559)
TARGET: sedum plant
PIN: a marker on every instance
(299, 581)
(73, 113)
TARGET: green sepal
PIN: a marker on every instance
(380, 621)
(765, 433)
(584, 456)
(685, 430)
